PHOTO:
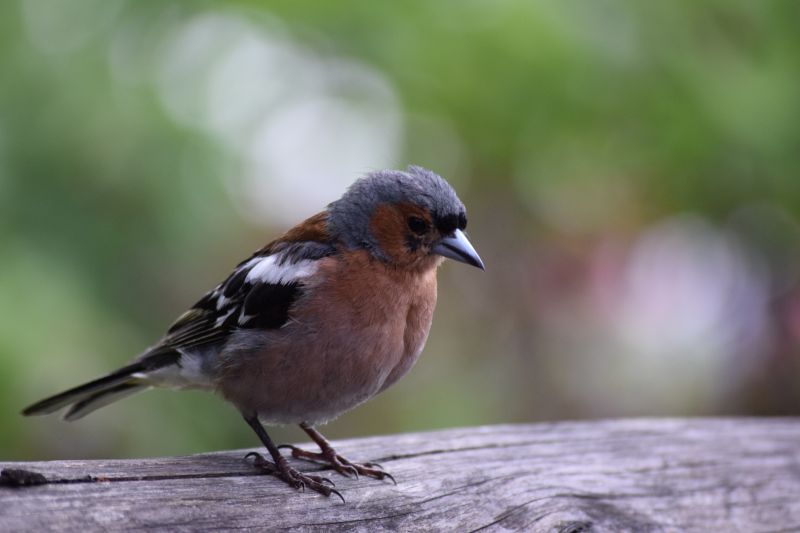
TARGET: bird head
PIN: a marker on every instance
(405, 218)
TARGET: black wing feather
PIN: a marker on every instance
(267, 305)
(238, 303)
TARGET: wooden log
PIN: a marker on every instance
(738, 474)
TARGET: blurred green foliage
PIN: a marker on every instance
(565, 126)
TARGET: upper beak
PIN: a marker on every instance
(458, 247)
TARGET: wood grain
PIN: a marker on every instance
(616, 475)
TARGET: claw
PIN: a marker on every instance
(328, 456)
(352, 469)
(293, 478)
(339, 494)
(341, 464)
(260, 462)
(279, 466)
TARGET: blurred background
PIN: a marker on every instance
(632, 174)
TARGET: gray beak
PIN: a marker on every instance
(458, 248)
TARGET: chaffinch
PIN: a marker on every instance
(314, 323)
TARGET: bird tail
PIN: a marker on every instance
(93, 395)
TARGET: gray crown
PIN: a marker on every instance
(350, 215)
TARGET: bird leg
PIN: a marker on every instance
(329, 456)
(280, 468)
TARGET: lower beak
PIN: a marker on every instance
(458, 248)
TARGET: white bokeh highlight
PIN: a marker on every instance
(302, 126)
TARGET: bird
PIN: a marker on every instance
(311, 325)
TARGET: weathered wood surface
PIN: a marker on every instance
(619, 475)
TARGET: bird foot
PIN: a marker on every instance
(344, 466)
(294, 478)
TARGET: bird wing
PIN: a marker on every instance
(259, 292)
(258, 295)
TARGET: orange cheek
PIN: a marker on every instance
(387, 226)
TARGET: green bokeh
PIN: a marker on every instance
(566, 124)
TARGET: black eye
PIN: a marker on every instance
(462, 221)
(417, 225)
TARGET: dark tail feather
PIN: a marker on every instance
(102, 391)
(103, 398)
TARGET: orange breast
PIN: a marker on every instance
(360, 326)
